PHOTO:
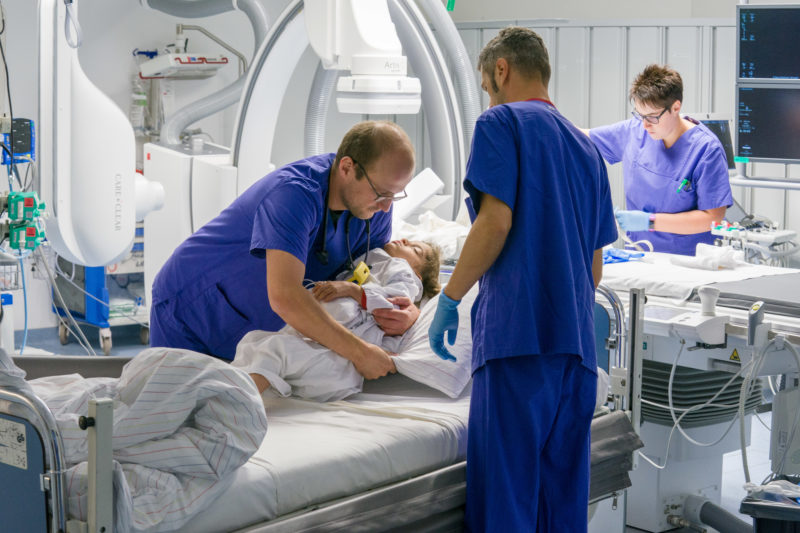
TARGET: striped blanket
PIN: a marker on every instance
(183, 422)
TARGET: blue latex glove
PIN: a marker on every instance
(614, 255)
(632, 220)
(445, 320)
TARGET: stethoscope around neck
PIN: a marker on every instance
(322, 254)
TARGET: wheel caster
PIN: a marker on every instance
(105, 340)
(63, 334)
(144, 335)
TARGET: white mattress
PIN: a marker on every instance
(315, 452)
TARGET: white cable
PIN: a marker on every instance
(628, 242)
(758, 362)
(62, 273)
(636, 244)
(672, 409)
(70, 23)
(691, 409)
(762, 422)
(771, 386)
(79, 335)
(62, 321)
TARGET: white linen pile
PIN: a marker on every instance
(447, 235)
(183, 423)
(709, 257)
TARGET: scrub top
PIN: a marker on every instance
(538, 296)
(217, 278)
(653, 174)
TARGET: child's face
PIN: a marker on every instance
(414, 252)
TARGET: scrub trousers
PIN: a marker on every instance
(528, 445)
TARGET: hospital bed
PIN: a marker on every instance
(391, 457)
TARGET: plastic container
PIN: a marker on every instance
(7, 322)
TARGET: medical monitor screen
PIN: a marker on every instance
(768, 42)
(768, 125)
(722, 129)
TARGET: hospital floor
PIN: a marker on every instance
(733, 474)
(124, 342)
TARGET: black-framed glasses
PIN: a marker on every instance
(651, 119)
(378, 196)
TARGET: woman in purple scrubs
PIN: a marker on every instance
(674, 168)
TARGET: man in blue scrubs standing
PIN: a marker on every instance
(541, 209)
(245, 269)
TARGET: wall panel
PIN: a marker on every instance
(608, 83)
(723, 68)
(570, 87)
(684, 53)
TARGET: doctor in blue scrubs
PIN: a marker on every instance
(541, 213)
(674, 168)
(245, 269)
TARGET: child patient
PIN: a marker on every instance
(289, 363)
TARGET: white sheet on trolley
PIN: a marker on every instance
(659, 275)
(183, 423)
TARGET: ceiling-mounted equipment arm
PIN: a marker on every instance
(359, 36)
(256, 13)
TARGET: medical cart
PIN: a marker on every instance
(105, 297)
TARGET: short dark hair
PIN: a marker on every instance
(524, 50)
(658, 86)
(367, 141)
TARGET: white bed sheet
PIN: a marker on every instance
(658, 276)
(316, 452)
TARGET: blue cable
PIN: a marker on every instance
(25, 304)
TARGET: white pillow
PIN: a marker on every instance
(416, 360)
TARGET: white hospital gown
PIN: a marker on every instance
(296, 365)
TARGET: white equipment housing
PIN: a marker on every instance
(358, 35)
(767, 236)
(784, 449)
(658, 493)
(86, 155)
(196, 185)
(266, 87)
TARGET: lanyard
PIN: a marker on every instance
(541, 100)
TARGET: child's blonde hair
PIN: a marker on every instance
(429, 272)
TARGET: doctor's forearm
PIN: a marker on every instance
(688, 222)
(301, 311)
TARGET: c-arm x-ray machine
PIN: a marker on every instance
(87, 148)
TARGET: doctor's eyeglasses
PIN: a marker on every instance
(378, 196)
(651, 119)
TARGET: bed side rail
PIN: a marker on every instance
(31, 454)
